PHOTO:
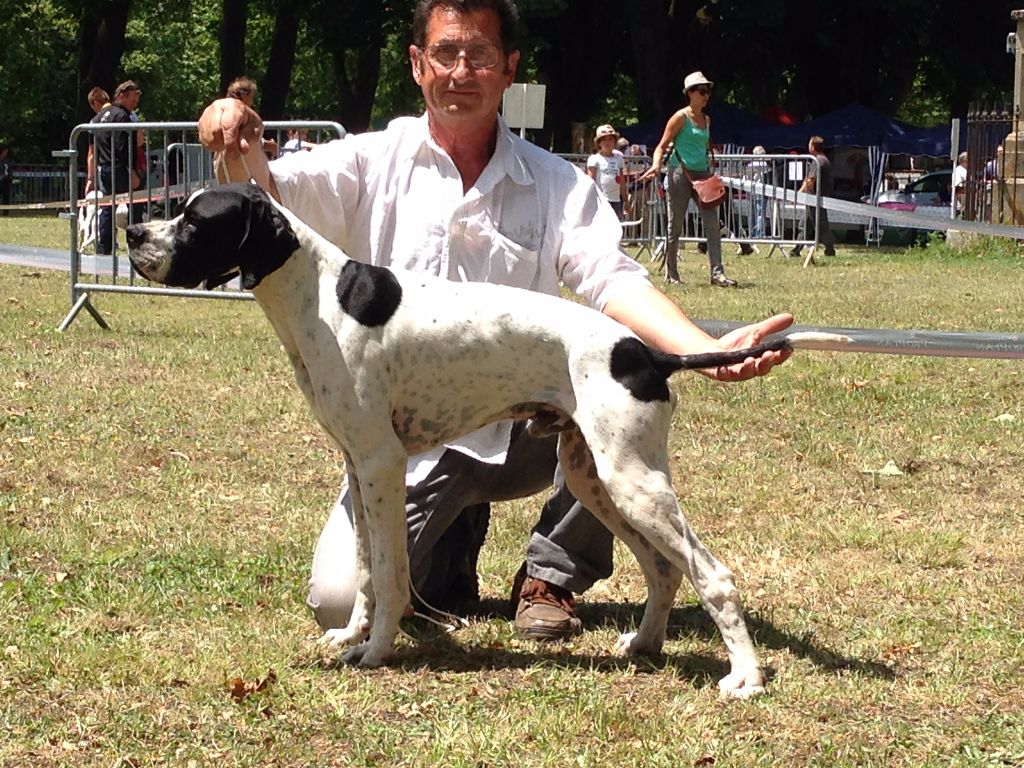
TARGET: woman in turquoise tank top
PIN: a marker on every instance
(686, 142)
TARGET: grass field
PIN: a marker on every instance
(162, 485)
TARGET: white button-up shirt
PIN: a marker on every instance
(394, 198)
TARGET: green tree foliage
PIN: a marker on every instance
(601, 60)
(39, 96)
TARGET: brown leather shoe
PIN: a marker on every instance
(544, 611)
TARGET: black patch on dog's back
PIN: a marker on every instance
(369, 294)
(633, 367)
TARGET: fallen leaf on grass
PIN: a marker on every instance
(899, 651)
(1005, 418)
(241, 689)
(890, 470)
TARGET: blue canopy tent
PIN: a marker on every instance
(851, 126)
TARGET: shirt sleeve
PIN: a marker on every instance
(590, 262)
(321, 186)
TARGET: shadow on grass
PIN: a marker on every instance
(439, 651)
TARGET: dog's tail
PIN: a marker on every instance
(666, 364)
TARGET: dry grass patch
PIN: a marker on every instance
(162, 486)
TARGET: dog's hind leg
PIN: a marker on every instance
(631, 460)
(662, 577)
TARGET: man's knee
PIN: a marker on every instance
(331, 603)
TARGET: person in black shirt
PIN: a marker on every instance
(114, 157)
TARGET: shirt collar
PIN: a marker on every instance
(508, 152)
(507, 160)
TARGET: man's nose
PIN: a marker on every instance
(462, 66)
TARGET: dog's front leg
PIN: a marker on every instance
(361, 618)
(382, 496)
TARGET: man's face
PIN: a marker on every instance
(130, 100)
(458, 90)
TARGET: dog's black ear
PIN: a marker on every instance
(268, 242)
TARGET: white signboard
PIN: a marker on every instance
(523, 106)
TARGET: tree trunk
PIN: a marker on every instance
(101, 45)
(353, 33)
(651, 48)
(278, 78)
(232, 41)
(579, 69)
(356, 91)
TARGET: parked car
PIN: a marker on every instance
(931, 189)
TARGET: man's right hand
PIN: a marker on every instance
(228, 125)
(230, 129)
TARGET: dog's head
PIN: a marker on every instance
(222, 231)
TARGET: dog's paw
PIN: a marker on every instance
(631, 644)
(334, 640)
(363, 655)
(742, 684)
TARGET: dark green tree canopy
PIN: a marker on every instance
(920, 60)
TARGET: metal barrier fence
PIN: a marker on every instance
(761, 209)
(36, 186)
(162, 164)
(990, 193)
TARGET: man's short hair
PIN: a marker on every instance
(126, 87)
(508, 17)
(818, 143)
(97, 95)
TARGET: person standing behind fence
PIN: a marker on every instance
(98, 99)
(816, 147)
(960, 183)
(758, 202)
(243, 89)
(687, 142)
(6, 177)
(608, 169)
(114, 172)
(298, 140)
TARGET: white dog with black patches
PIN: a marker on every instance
(395, 363)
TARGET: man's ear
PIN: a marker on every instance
(269, 242)
(416, 63)
(511, 63)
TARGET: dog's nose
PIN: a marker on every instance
(135, 234)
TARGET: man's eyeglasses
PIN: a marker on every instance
(703, 90)
(478, 55)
